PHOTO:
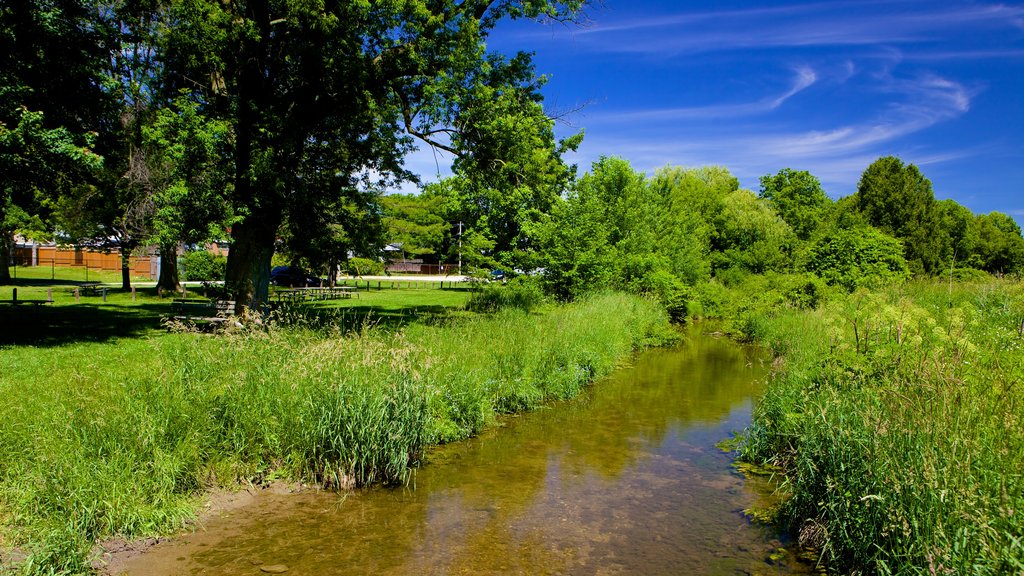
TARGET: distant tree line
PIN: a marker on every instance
(663, 234)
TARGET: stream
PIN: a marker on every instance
(624, 479)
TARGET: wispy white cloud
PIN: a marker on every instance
(836, 154)
(804, 77)
(820, 24)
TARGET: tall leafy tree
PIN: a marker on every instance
(798, 198)
(319, 91)
(415, 222)
(185, 155)
(1000, 246)
(51, 105)
(897, 199)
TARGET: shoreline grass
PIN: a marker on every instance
(898, 419)
(119, 438)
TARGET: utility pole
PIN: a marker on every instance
(460, 247)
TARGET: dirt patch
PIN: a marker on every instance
(110, 556)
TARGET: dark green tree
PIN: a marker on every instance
(51, 105)
(898, 200)
(316, 91)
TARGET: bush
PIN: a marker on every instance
(364, 267)
(858, 258)
(203, 265)
(522, 293)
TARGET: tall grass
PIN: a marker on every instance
(897, 419)
(122, 438)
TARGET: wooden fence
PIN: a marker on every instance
(51, 256)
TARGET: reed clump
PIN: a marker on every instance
(122, 438)
(897, 418)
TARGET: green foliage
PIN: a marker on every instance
(364, 267)
(898, 200)
(860, 257)
(896, 422)
(1000, 245)
(521, 293)
(119, 438)
(798, 198)
(750, 235)
(202, 265)
(414, 222)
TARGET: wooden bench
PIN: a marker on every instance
(202, 310)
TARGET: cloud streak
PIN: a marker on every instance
(836, 154)
(805, 77)
(821, 24)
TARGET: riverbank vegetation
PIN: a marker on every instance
(121, 438)
(896, 424)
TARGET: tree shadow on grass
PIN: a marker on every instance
(30, 325)
(356, 318)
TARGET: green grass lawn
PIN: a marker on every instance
(127, 314)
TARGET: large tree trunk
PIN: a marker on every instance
(126, 268)
(248, 271)
(168, 280)
(6, 242)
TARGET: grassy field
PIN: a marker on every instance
(898, 421)
(121, 434)
(122, 313)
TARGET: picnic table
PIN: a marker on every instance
(202, 310)
(15, 301)
(35, 302)
(92, 288)
(315, 293)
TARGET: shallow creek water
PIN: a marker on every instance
(625, 479)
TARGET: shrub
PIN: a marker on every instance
(203, 265)
(364, 267)
(522, 293)
(859, 257)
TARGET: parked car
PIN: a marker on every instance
(293, 277)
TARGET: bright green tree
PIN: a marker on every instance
(1000, 247)
(750, 236)
(858, 257)
(415, 222)
(797, 196)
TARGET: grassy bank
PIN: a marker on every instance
(121, 437)
(898, 419)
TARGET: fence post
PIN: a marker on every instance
(104, 293)
(77, 295)
(49, 294)
(14, 296)
(133, 293)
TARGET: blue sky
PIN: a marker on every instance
(826, 87)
